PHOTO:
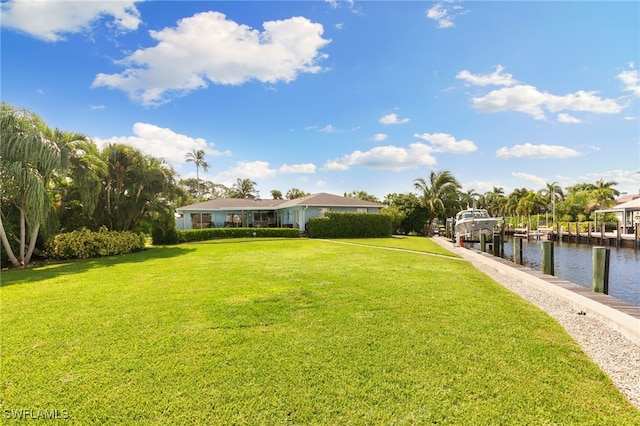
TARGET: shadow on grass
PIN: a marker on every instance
(47, 270)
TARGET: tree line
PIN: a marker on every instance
(441, 196)
(54, 181)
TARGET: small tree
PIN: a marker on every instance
(439, 194)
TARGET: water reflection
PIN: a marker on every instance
(573, 262)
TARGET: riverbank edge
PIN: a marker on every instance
(625, 324)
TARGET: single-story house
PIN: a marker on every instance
(245, 212)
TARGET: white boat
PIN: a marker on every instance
(471, 223)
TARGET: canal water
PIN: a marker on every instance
(573, 262)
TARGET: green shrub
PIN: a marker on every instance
(190, 235)
(162, 237)
(350, 225)
(84, 244)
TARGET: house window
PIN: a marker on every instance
(362, 210)
(322, 211)
(200, 220)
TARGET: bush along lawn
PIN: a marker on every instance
(289, 331)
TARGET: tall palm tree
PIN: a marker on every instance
(439, 194)
(28, 160)
(197, 157)
(552, 192)
(603, 196)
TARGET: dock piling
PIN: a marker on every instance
(600, 259)
(547, 258)
(496, 244)
(517, 250)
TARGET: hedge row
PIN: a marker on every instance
(83, 244)
(350, 225)
(190, 235)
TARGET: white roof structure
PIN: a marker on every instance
(626, 210)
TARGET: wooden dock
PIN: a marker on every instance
(572, 235)
(604, 299)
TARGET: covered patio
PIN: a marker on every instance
(628, 215)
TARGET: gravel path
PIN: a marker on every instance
(617, 356)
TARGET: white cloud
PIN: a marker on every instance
(379, 137)
(496, 78)
(631, 81)
(539, 181)
(393, 119)
(386, 158)
(97, 107)
(50, 20)
(337, 3)
(320, 184)
(566, 118)
(209, 48)
(162, 142)
(529, 100)
(628, 180)
(328, 129)
(444, 12)
(442, 142)
(297, 168)
(528, 150)
(253, 170)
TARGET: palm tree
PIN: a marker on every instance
(78, 190)
(244, 188)
(197, 157)
(28, 161)
(294, 193)
(552, 192)
(362, 195)
(603, 196)
(529, 203)
(495, 201)
(469, 198)
(439, 194)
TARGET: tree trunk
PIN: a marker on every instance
(32, 243)
(5, 243)
(23, 235)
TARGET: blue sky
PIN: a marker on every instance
(341, 96)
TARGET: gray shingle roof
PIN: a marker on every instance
(316, 200)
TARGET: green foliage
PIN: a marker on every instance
(161, 236)
(350, 225)
(28, 161)
(396, 216)
(191, 235)
(82, 244)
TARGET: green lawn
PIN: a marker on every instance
(290, 331)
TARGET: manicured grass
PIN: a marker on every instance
(294, 331)
(421, 244)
